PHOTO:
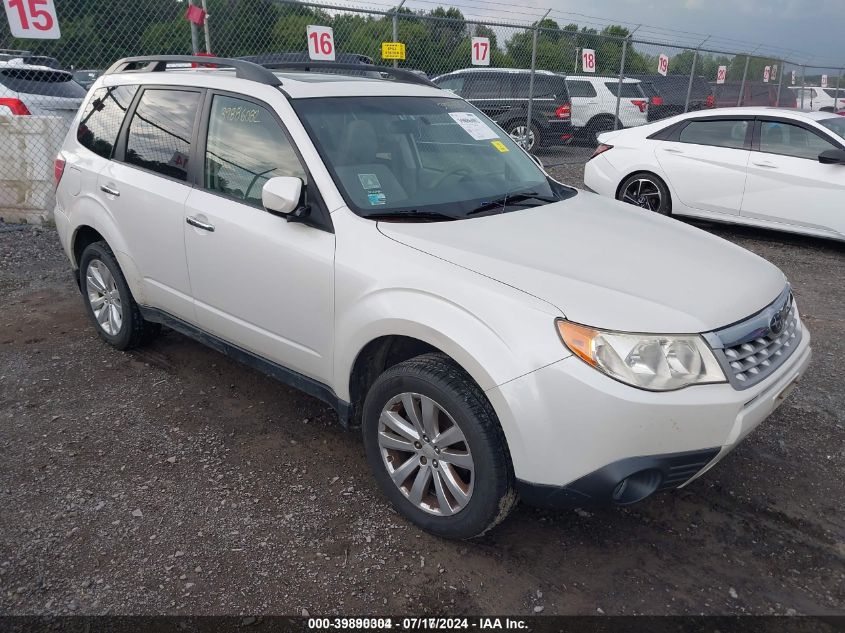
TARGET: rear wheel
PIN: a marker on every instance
(436, 448)
(646, 191)
(526, 136)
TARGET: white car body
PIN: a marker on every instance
(486, 291)
(599, 105)
(818, 99)
(19, 83)
(740, 185)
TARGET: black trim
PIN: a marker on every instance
(668, 471)
(396, 74)
(287, 376)
(319, 218)
(158, 63)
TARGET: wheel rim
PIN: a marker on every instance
(104, 297)
(426, 454)
(523, 135)
(643, 193)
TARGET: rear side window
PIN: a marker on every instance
(454, 83)
(550, 88)
(246, 147)
(832, 92)
(579, 88)
(103, 117)
(48, 83)
(629, 90)
(160, 132)
(487, 86)
(716, 133)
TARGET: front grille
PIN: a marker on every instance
(753, 349)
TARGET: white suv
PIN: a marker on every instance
(593, 102)
(385, 247)
(818, 99)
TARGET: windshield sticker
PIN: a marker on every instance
(376, 198)
(499, 146)
(369, 181)
(473, 126)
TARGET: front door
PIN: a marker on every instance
(258, 281)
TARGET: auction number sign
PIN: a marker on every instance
(32, 19)
(481, 51)
(767, 72)
(824, 81)
(663, 64)
(588, 60)
(721, 74)
(320, 43)
(774, 72)
(793, 78)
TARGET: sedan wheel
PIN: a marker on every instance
(647, 192)
(426, 454)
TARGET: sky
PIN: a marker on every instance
(813, 29)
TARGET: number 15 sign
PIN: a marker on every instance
(32, 19)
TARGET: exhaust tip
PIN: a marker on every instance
(637, 487)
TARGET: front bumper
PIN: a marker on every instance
(574, 434)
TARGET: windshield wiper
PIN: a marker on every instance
(410, 214)
(515, 199)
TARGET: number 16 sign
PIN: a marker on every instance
(32, 19)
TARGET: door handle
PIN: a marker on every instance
(200, 225)
(110, 190)
(673, 150)
(765, 164)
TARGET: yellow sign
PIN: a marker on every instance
(392, 50)
(499, 146)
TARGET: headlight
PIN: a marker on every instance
(657, 362)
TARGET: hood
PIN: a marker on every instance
(607, 264)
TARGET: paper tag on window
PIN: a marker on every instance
(473, 126)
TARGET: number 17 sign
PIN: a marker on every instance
(32, 19)
(480, 51)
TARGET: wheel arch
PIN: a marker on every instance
(647, 172)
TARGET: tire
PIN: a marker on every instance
(516, 130)
(118, 322)
(647, 191)
(599, 126)
(487, 487)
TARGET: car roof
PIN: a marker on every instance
(517, 71)
(295, 84)
(602, 78)
(789, 113)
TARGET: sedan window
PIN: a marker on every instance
(716, 133)
(777, 137)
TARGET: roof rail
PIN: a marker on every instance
(158, 63)
(397, 74)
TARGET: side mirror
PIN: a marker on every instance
(832, 157)
(281, 195)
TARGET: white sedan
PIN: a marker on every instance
(773, 168)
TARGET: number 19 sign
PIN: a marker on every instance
(32, 19)
(663, 64)
(480, 51)
(320, 43)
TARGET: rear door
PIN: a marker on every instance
(633, 104)
(145, 189)
(787, 183)
(705, 162)
(492, 93)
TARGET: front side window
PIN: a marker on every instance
(716, 133)
(454, 84)
(246, 147)
(777, 137)
(422, 155)
(160, 132)
(102, 118)
(835, 124)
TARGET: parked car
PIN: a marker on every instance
(502, 94)
(385, 247)
(594, 104)
(754, 93)
(818, 99)
(668, 95)
(86, 77)
(38, 90)
(773, 168)
(28, 58)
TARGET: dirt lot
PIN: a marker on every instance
(173, 480)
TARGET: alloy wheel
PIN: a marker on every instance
(104, 297)
(426, 454)
(643, 193)
(523, 136)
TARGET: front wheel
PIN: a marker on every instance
(646, 191)
(436, 448)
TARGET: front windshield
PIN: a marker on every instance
(433, 157)
(835, 124)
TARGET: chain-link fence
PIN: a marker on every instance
(555, 88)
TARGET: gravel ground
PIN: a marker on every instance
(173, 480)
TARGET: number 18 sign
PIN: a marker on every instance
(32, 19)
(480, 51)
(588, 60)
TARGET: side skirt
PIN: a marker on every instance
(274, 370)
